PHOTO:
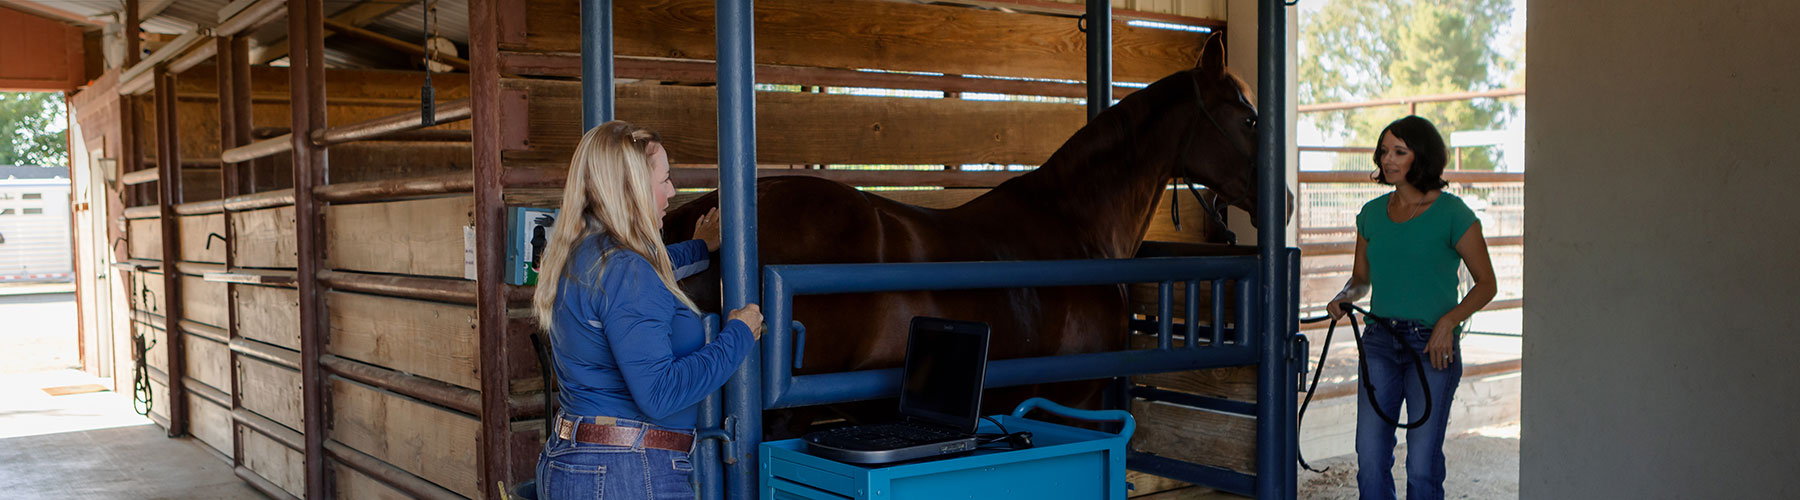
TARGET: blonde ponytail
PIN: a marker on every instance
(608, 192)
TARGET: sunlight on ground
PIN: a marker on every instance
(1503, 431)
(27, 410)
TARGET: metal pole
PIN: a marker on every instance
(1275, 471)
(1099, 56)
(307, 87)
(597, 63)
(168, 159)
(737, 175)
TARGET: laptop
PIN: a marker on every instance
(940, 400)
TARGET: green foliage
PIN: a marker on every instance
(1353, 50)
(33, 129)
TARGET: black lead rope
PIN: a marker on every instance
(1362, 359)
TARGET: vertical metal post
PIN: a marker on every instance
(225, 59)
(306, 87)
(1275, 470)
(131, 157)
(737, 176)
(497, 457)
(1099, 56)
(168, 172)
(596, 63)
(242, 116)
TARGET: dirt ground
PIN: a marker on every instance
(1483, 464)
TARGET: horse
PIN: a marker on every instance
(1093, 199)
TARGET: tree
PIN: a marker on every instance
(1371, 49)
(33, 130)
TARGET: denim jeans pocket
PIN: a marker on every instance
(564, 481)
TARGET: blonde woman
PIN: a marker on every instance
(629, 351)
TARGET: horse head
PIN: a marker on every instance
(1212, 115)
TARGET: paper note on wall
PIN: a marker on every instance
(468, 252)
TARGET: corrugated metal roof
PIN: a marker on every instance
(452, 22)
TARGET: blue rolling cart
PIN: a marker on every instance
(1067, 462)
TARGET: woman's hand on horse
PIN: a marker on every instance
(1442, 346)
(707, 229)
(752, 316)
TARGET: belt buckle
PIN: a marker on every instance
(565, 429)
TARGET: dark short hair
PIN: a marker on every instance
(1429, 153)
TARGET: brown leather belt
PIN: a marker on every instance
(608, 434)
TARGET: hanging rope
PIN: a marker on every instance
(427, 94)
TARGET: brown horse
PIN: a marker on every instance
(1092, 200)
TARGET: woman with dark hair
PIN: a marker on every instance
(1408, 245)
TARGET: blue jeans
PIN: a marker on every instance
(570, 470)
(1390, 370)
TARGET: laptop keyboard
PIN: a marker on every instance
(884, 436)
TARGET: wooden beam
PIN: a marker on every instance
(690, 71)
(396, 44)
(361, 14)
(852, 34)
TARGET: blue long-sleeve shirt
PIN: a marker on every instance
(626, 348)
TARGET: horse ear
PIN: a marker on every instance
(1212, 56)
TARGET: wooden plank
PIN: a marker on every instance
(263, 238)
(196, 243)
(434, 444)
(144, 238)
(208, 362)
(268, 458)
(151, 301)
(418, 237)
(802, 128)
(252, 277)
(430, 339)
(159, 402)
(204, 301)
(354, 485)
(1198, 436)
(210, 422)
(1147, 484)
(874, 34)
(270, 390)
(1195, 223)
(267, 314)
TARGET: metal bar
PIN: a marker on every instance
(274, 430)
(206, 331)
(169, 183)
(395, 44)
(596, 63)
(197, 388)
(1349, 247)
(258, 149)
(707, 177)
(1335, 149)
(1360, 176)
(273, 354)
(143, 212)
(420, 388)
(1275, 433)
(1226, 480)
(808, 390)
(145, 67)
(261, 485)
(744, 395)
(1192, 319)
(1398, 101)
(307, 93)
(490, 307)
(395, 188)
(251, 17)
(266, 199)
(710, 484)
(453, 111)
(1218, 311)
(401, 480)
(1165, 310)
(144, 176)
(1196, 400)
(242, 113)
(1099, 56)
(201, 208)
(442, 290)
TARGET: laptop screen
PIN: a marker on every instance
(946, 364)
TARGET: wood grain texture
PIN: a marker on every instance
(270, 390)
(194, 238)
(210, 422)
(418, 237)
(208, 362)
(874, 34)
(430, 339)
(434, 444)
(144, 238)
(1198, 436)
(264, 238)
(354, 485)
(798, 128)
(268, 458)
(204, 301)
(268, 314)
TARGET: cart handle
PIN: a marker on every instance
(1078, 414)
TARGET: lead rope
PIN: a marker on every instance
(1363, 374)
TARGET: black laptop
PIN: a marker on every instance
(940, 400)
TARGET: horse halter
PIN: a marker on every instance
(1214, 209)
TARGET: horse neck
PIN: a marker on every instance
(1099, 189)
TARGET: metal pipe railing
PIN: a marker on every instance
(395, 188)
(1276, 437)
(453, 111)
(782, 283)
(394, 477)
(424, 389)
(454, 291)
(395, 44)
(1099, 56)
(743, 396)
(259, 149)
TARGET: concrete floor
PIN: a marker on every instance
(86, 445)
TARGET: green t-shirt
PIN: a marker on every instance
(1412, 264)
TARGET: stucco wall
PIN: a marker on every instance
(1662, 354)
